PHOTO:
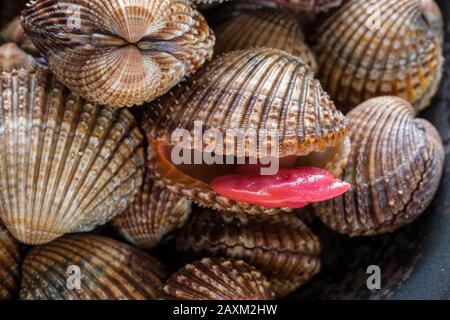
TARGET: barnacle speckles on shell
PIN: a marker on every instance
(218, 279)
(395, 167)
(10, 260)
(259, 90)
(66, 165)
(281, 246)
(108, 270)
(14, 58)
(119, 53)
(153, 215)
(395, 52)
(262, 28)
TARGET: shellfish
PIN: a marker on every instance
(379, 47)
(218, 279)
(152, 216)
(281, 246)
(395, 167)
(267, 98)
(14, 58)
(66, 165)
(10, 260)
(14, 32)
(269, 28)
(308, 5)
(119, 53)
(90, 267)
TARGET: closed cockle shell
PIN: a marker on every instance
(67, 165)
(371, 48)
(265, 91)
(14, 32)
(10, 260)
(262, 28)
(90, 267)
(218, 279)
(154, 214)
(281, 246)
(14, 58)
(119, 52)
(395, 167)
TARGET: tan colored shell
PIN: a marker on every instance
(108, 270)
(264, 90)
(66, 165)
(10, 260)
(14, 32)
(119, 53)
(153, 215)
(372, 48)
(218, 279)
(433, 16)
(281, 247)
(395, 168)
(14, 58)
(263, 28)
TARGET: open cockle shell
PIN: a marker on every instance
(66, 165)
(218, 279)
(395, 167)
(281, 246)
(263, 91)
(269, 28)
(153, 215)
(119, 53)
(372, 48)
(10, 260)
(90, 267)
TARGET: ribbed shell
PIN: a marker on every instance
(126, 52)
(263, 28)
(10, 260)
(109, 270)
(395, 167)
(281, 247)
(14, 58)
(66, 165)
(14, 32)
(152, 216)
(256, 89)
(218, 279)
(434, 17)
(372, 48)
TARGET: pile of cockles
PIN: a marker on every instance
(164, 149)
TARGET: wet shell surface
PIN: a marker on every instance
(14, 32)
(10, 260)
(14, 58)
(281, 247)
(218, 279)
(263, 28)
(119, 53)
(379, 47)
(260, 90)
(90, 267)
(153, 215)
(67, 165)
(395, 167)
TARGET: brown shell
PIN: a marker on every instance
(218, 279)
(263, 28)
(10, 260)
(14, 58)
(119, 53)
(395, 167)
(308, 5)
(281, 247)
(14, 32)
(379, 47)
(261, 89)
(67, 165)
(108, 270)
(154, 214)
